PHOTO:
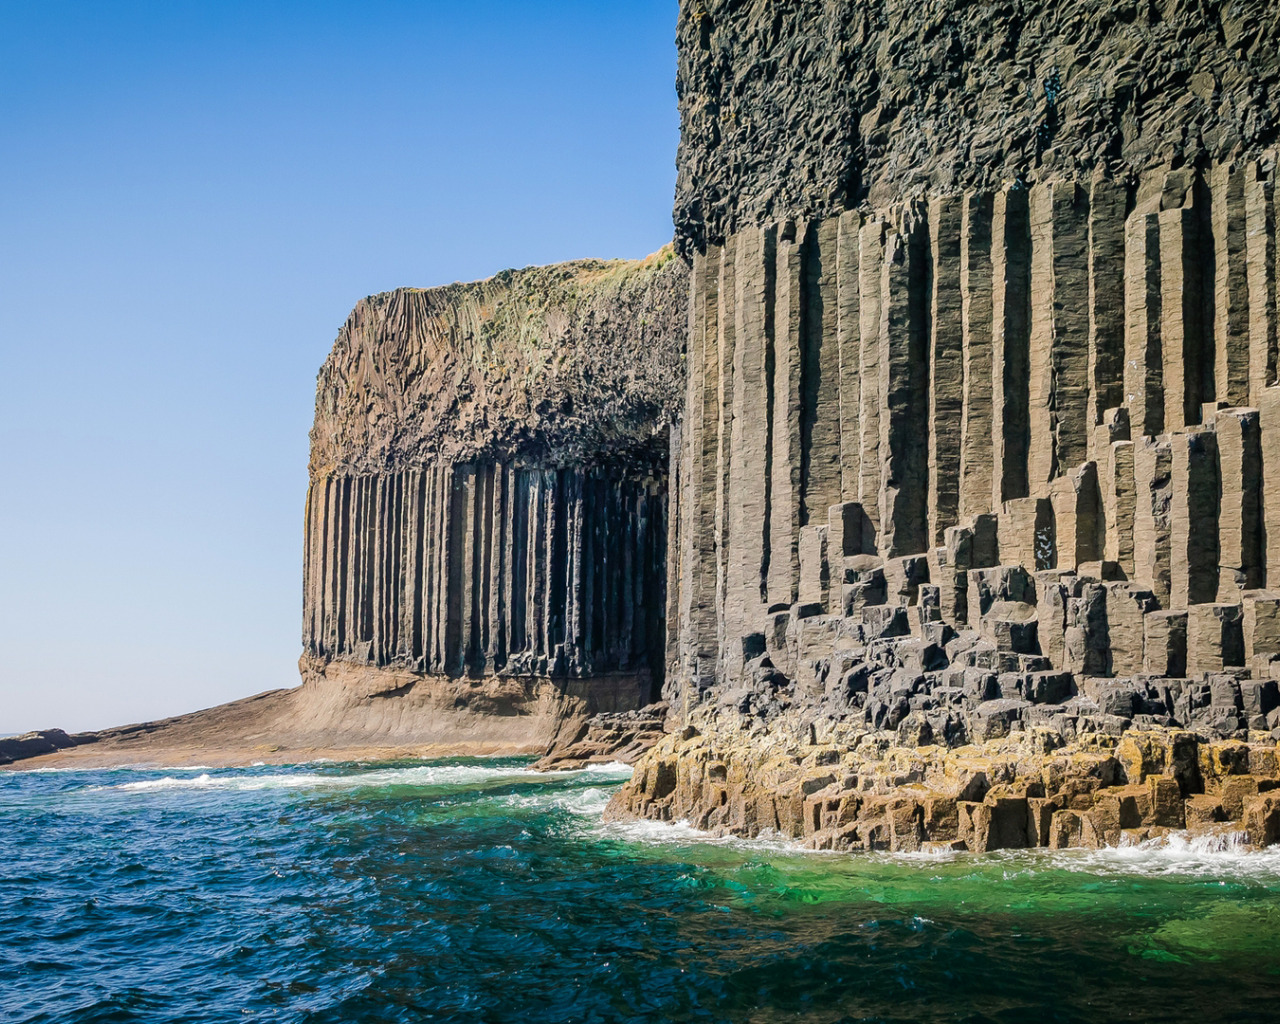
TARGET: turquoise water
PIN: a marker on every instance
(479, 891)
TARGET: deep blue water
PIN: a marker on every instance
(478, 891)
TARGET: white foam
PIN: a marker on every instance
(586, 803)
(82, 769)
(681, 833)
(206, 781)
(418, 775)
(1224, 856)
(612, 769)
(1209, 856)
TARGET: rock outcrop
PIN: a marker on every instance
(486, 533)
(566, 366)
(977, 483)
(34, 744)
(488, 491)
(810, 108)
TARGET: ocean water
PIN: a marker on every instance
(477, 890)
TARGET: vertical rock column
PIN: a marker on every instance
(1119, 498)
(442, 542)
(946, 385)
(697, 493)
(1182, 320)
(786, 447)
(1060, 422)
(1011, 298)
(463, 571)
(976, 416)
(1106, 304)
(748, 496)
(1260, 226)
(871, 247)
(1152, 522)
(1193, 528)
(1269, 428)
(314, 520)
(1143, 372)
(415, 546)
(904, 327)
(725, 352)
(1231, 286)
(1240, 518)
(849, 339)
(821, 433)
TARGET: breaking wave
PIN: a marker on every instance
(478, 889)
(236, 780)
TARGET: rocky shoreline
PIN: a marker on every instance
(351, 712)
(867, 791)
(975, 512)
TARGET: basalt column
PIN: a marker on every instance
(501, 569)
(894, 400)
(1016, 270)
(489, 494)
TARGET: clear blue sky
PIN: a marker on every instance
(192, 196)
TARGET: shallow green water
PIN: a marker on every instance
(478, 891)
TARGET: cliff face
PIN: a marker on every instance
(488, 497)
(978, 480)
(559, 366)
(485, 533)
(809, 108)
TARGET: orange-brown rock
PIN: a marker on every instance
(862, 791)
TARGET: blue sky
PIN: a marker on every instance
(192, 196)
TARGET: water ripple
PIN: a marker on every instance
(478, 890)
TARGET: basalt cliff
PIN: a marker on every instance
(927, 495)
(485, 532)
(976, 504)
(486, 527)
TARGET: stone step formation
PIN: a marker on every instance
(926, 423)
(977, 487)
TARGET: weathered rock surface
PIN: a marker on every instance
(607, 738)
(853, 790)
(810, 108)
(486, 534)
(559, 366)
(488, 486)
(33, 744)
(350, 712)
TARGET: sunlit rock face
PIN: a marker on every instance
(982, 421)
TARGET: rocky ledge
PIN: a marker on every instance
(1030, 788)
(607, 738)
(881, 727)
(35, 744)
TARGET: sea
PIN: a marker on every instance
(480, 890)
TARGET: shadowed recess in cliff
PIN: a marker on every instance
(481, 568)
